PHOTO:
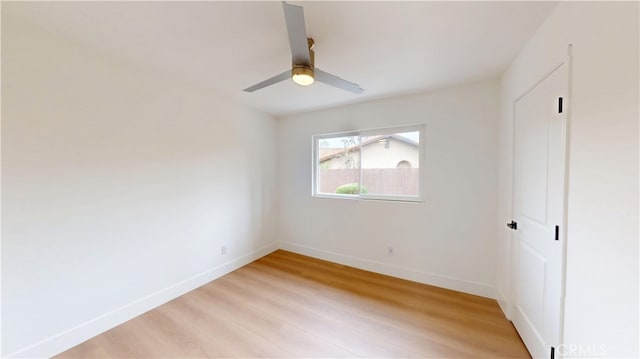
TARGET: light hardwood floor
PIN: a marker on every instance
(288, 305)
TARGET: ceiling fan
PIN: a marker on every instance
(303, 71)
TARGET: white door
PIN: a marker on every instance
(538, 211)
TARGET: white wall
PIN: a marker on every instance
(602, 240)
(449, 239)
(119, 188)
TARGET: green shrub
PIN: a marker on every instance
(351, 188)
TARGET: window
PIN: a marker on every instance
(369, 164)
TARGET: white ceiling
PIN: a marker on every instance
(388, 48)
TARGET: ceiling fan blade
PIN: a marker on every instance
(268, 82)
(294, 16)
(336, 81)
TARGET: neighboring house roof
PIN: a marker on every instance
(333, 153)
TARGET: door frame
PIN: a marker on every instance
(567, 61)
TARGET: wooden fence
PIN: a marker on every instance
(398, 181)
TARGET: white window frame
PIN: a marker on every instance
(363, 133)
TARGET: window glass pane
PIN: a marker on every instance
(390, 164)
(338, 165)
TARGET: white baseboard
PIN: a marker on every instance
(69, 338)
(504, 303)
(437, 280)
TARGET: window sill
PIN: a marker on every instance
(396, 199)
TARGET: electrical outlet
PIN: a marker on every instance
(223, 250)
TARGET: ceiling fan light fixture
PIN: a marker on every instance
(302, 76)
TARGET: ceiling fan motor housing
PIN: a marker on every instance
(302, 75)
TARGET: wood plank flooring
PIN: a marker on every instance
(286, 305)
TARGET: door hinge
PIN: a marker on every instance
(513, 225)
(557, 233)
(559, 104)
(553, 353)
